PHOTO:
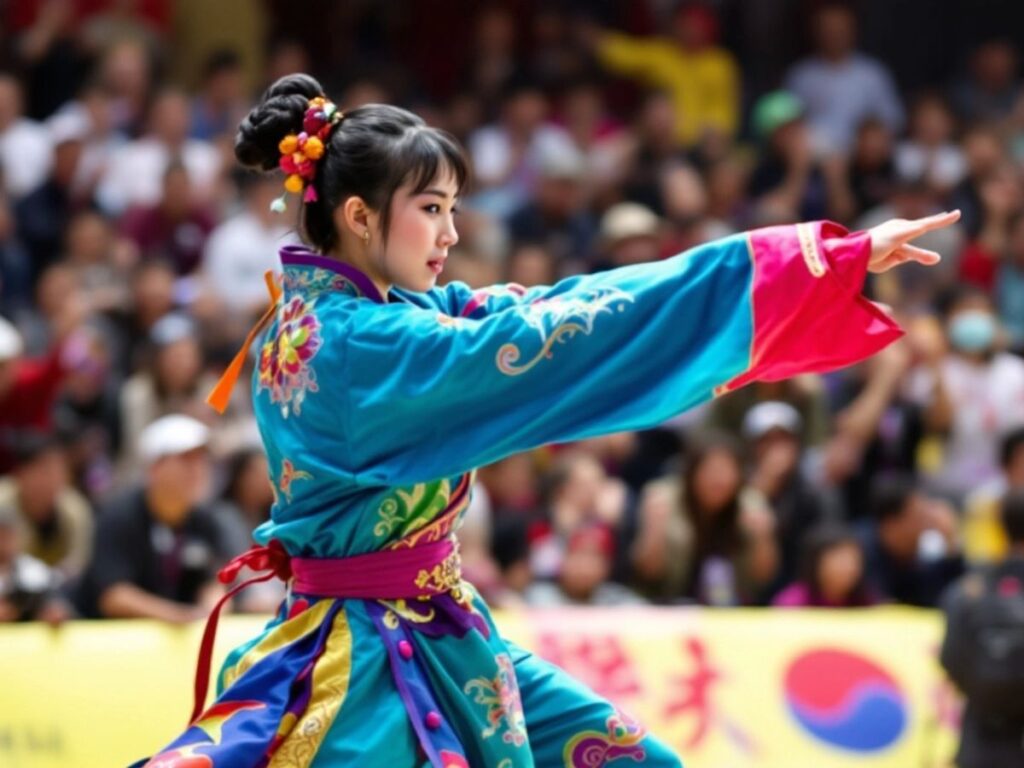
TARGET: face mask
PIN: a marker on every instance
(973, 331)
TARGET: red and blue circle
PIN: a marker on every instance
(845, 700)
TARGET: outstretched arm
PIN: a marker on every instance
(432, 393)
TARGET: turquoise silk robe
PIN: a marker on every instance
(374, 414)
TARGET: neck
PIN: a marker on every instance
(361, 261)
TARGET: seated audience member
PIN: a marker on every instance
(28, 587)
(56, 520)
(583, 576)
(912, 549)
(704, 534)
(832, 573)
(158, 547)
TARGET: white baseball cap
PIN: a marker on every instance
(11, 345)
(773, 414)
(172, 435)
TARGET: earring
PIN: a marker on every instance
(366, 236)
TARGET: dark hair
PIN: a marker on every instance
(1012, 515)
(720, 535)
(1012, 442)
(370, 153)
(889, 496)
(27, 446)
(819, 542)
(221, 60)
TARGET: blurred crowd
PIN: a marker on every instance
(132, 253)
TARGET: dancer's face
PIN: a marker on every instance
(422, 229)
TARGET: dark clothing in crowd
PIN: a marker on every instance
(133, 547)
(989, 739)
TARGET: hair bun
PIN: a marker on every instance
(279, 113)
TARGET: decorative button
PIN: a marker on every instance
(432, 720)
(405, 649)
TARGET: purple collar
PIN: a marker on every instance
(301, 256)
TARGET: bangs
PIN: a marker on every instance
(430, 153)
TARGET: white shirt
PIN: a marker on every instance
(135, 175)
(838, 96)
(26, 156)
(987, 401)
(237, 254)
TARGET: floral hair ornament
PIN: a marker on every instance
(301, 152)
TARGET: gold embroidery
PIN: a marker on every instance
(809, 249)
(330, 684)
(445, 576)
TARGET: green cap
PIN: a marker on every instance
(774, 110)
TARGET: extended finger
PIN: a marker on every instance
(928, 223)
(909, 252)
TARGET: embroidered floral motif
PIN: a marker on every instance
(284, 367)
(501, 697)
(565, 318)
(288, 476)
(593, 749)
(317, 280)
(409, 509)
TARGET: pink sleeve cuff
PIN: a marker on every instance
(809, 314)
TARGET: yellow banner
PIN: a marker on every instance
(727, 689)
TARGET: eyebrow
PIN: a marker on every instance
(437, 192)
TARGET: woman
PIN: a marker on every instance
(832, 572)
(378, 393)
(704, 536)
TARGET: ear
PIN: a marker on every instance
(355, 216)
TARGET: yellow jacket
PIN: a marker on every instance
(704, 85)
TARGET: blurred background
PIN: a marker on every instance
(601, 133)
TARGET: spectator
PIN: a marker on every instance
(506, 154)
(29, 386)
(158, 547)
(970, 394)
(872, 170)
(1009, 285)
(789, 184)
(1002, 198)
(176, 227)
(43, 213)
(56, 521)
(832, 572)
(911, 549)
(702, 78)
(28, 588)
(704, 534)
(989, 91)
(26, 153)
(583, 574)
(221, 103)
(173, 383)
(243, 247)
(780, 474)
(556, 217)
(841, 87)
(629, 234)
(929, 152)
(136, 170)
(984, 537)
(983, 652)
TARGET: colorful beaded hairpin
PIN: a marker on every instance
(300, 153)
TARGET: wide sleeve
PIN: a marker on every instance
(426, 394)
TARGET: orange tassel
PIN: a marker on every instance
(220, 395)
